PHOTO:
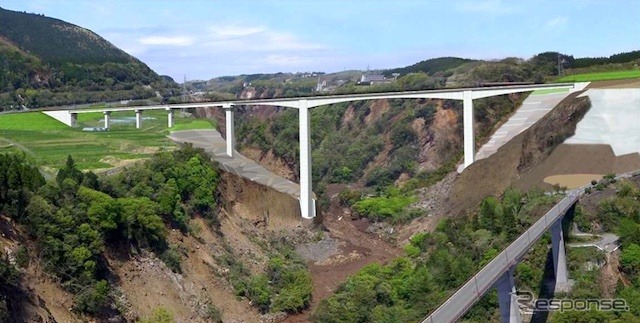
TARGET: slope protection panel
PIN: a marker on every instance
(63, 116)
(614, 119)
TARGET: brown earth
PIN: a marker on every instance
(441, 140)
(572, 181)
(40, 297)
(615, 84)
(491, 176)
(146, 283)
(377, 109)
(270, 162)
(610, 273)
(353, 249)
(578, 159)
(264, 206)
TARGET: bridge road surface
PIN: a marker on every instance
(213, 143)
(466, 296)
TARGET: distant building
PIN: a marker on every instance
(371, 79)
(321, 86)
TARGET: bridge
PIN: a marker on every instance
(304, 104)
(498, 272)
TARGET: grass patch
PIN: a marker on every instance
(549, 91)
(601, 76)
(49, 142)
(195, 124)
(391, 205)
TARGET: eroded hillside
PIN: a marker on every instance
(167, 237)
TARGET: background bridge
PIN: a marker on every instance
(499, 271)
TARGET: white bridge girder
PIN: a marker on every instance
(307, 204)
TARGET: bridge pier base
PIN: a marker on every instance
(138, 119)
(307, 203)
(74, 119)
(107, 119)
(170, 115)
(467, 121)
(229, 130)
(559, 258)
(507, 298)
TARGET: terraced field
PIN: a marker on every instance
(49, 142)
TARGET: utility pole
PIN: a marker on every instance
(560, 67)
(184, 89)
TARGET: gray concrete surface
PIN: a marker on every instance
(607, 242)
(613, 119)
(213, 143)
(534, 107)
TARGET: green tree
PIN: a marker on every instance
(70, 170)
(142, 224)
(491, 214)
(630, 259)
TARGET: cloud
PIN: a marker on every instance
(492, 7)
(234, 31)
(230, 48)
(254, 38)
(557, 22)
(286, 60)
(167, 40)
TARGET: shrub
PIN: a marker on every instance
(388, 206)
(348, 197)
(259, 292)
(411, 250)
(160, 315)
(172, 259)
(93, 298)
(295, 293)
(22, 257)
(213, 313)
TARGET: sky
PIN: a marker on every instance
(200, 39)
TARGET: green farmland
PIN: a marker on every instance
(601, 76)
(48, 142)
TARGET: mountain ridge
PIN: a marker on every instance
(49, 62)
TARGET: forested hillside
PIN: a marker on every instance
(435, 264)
(46, 62)
(79, 225)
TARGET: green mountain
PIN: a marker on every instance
(47, 62)
(431, 66)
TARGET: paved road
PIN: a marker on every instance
(213, 143)
(608, 241)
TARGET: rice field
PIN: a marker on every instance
(48, 142)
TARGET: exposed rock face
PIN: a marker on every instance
(440, 140)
